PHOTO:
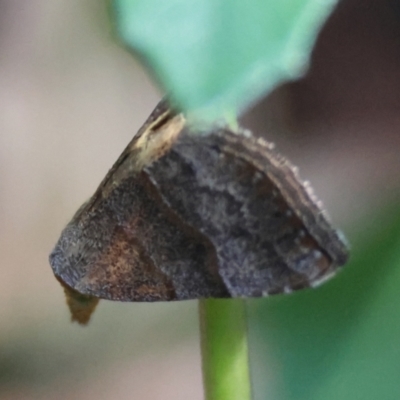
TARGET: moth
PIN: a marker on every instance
(195, 211)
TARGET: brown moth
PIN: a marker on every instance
(188, 213)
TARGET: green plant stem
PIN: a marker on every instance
(224, 349)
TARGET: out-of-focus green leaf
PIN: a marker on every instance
(219, 55)
(342, 340)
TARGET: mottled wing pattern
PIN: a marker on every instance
(269, 234)
(185, 216)
(125, 244)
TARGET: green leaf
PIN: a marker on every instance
(220, 55)
(340, 341)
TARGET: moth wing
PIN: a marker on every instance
(261, 227)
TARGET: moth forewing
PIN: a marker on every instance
(185, 216)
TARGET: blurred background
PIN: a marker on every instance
(71, 98)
